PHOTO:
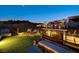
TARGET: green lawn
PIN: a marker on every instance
(16, 43)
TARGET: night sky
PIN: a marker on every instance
(37, 13)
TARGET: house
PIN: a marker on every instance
(56, 24)
(72, 22)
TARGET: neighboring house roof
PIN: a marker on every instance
(74, 18)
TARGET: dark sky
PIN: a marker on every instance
(37, 13)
